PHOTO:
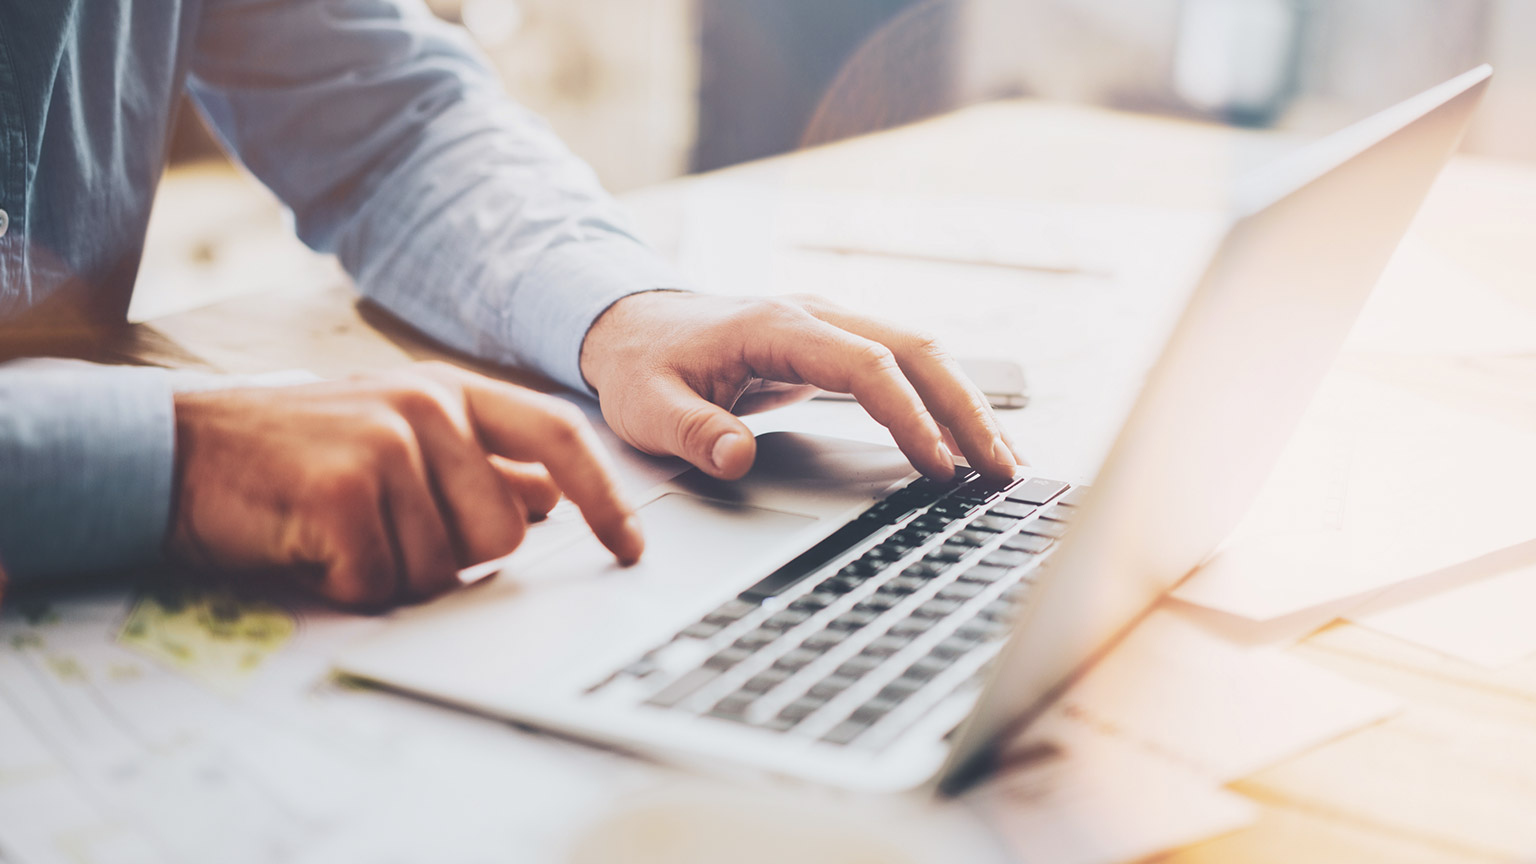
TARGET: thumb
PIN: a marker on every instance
(676, 420)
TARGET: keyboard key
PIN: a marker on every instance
(785, 619)
(733, 706)
(984, 573)
(1006, 557)
(796, 659)
(831, 686)
(814, 602)
(886, 645)
(755, 639)
(926, 569)
(948, 553)
(701, 630)
(839, 585)
(998, 610)
(726, 658)
(972, 538)
(927, 667)
(929, 523)
(903, 585)
(821, 640)
(852, 620)
(800, 709)
(683, 687)
(858, 665)
(1043, 528)
(729, 612)
(955, 646)
(765, 680)
(861, 568)
(952, 509)
(899, 690)
(872, 711)
(912, 625)
(960, 590)
(1037, 490)
(1012, 510)
(994, 524)
(1031, 543)
(1074, 498)
(845, 732)
(936, 608)
(879, 601)
(1058, 514)
(983, 630)
(885, 553)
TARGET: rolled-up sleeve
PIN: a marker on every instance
(389, 136)
(86, 467)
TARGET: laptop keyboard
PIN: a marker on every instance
(830, 647)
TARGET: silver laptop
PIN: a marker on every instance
(831, 618)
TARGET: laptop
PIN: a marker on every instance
(835, 618)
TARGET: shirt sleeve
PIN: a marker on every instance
(388, 135)
(86, 464)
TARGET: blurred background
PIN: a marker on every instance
(647, 90)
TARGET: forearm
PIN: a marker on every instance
(390, 137)
(498, 252)
(86, 458)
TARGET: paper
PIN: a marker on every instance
(1222, 712)
(1484, 617)
(107, 755)
(1100, 801)
(1381, 483)
(1130, 762)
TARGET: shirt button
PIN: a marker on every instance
(5, 222)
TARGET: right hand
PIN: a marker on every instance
(382, 489)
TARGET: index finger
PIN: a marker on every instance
(814, 352)
(944, 387)
(533, 427)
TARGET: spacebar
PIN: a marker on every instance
(813, 559)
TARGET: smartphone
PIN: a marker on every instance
(1001, 381)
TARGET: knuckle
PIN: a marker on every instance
(386, 438)
(567, 423)
(780, 309)
(339, 482)
(803, 300)
(924, 344)
(419, 402)
(875, 358)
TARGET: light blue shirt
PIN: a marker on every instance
(385, 132)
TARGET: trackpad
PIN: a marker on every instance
(692, 535)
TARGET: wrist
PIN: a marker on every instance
(608, 345)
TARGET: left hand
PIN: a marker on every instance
(670, 368)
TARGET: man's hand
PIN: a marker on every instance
(383, 489)
(671, 367)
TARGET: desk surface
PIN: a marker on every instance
(1452, 778)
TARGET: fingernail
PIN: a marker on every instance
(945, 458)
(636, 542)
(1002, 455)
(723, 447)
